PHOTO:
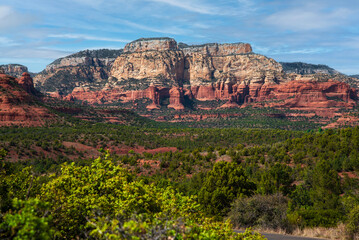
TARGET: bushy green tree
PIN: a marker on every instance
(264, 211)
(352, 225)
(223, 184)
(29, 220)
(326, 186)
(106, 202)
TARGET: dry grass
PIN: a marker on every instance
(321, 232)
(337, 233)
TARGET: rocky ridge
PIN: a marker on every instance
(64, 74)
(160, 69)
(307, 68)
(18, 104)
(319, 72)
(15, 70)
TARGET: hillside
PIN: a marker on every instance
(64, 74)
(15, 70)
(20, 104)
(307, 68)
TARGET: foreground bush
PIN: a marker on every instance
(353, 223)
(104, 201)
(29, 220)
(222, 185)
(268, 212)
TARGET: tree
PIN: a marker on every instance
(223, 184)
(28, 221)
(104, 201)
(325, 187)
(352, 225)
(264, 211)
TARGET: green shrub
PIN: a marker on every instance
(264, 211)
(352, 225)
(222, 185)
(28, 221)
(315, 217)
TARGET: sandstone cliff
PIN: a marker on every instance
(203, 72)
(307, 68)
(15, 70)
(64, 74)
(319, 72)
(163, 63)
(18, 105)
(174, 75)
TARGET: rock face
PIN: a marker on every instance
(158, 67)
(174, 74)
(202, 72)
(306, 68)
(18, 106)
(301, 94)
(319, 72)
(65, 74)
(27, 83)
(151, 44)
(15, 70)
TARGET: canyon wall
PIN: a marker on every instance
(15, 70)
(159, 68)
(19, 105)
(85, 67)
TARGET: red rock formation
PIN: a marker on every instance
(27, 83)
(293, 94)
(158, 69)
(151, 44)
(14, 70)
(176, 98)
(18, 107)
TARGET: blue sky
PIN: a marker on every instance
(36, 32)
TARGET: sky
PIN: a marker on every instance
(36, 32)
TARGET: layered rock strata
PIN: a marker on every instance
(85, 67)
(159, 68)
(15, 70)
(17, 104)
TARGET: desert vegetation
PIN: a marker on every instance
(150, 180)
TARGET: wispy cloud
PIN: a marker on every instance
(308, 17)
(4, 41)
(192, 6)
(27, 52)
(10, 19)
(92, 3)
(87, 37)
(174, 30)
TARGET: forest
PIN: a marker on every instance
(146, 180)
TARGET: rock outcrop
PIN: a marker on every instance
(27, 83)
(151, 44)
(303, 94)
(15, 70)
(143, 67)
(17, 104)
(319, 72)
(85, 67)
(173, 75)
(307, 68)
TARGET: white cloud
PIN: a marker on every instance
(92, 3)
(4, 41)
(5, 11)
(164, 30)
(87, 37)
(31, 52)
(309, 17)
(10, 19)
(192, 6)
